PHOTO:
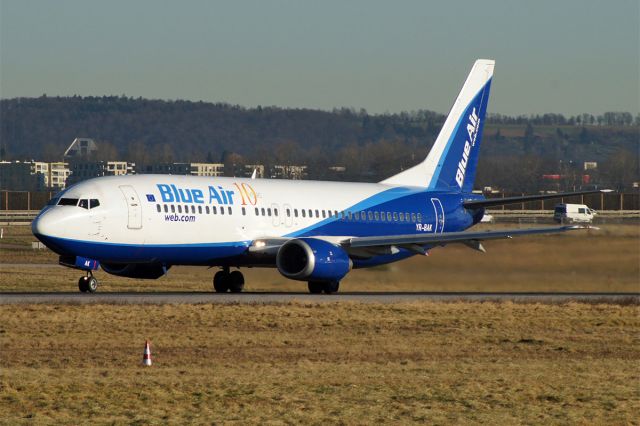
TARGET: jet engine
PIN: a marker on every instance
(312, 259)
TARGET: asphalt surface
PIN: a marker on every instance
(273, 298)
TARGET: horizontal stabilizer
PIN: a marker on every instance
(477, 204)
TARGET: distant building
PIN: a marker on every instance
(289, 172)
(55, 174)
(207, 169)
(82, 170)
(33, 175)
(249, 168)
(81, 148)
(590, 165)
(193, 169)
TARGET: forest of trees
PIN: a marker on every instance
(516, 152)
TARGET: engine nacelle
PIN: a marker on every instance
(311, 259)
(149, 271)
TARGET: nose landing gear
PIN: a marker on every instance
(88, 283)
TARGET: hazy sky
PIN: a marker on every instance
(568, 56)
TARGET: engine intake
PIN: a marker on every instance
(312, 259)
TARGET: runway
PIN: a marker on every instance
(277, 298)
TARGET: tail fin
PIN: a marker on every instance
(451, 163)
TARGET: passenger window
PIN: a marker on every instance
(303, 211)
(173, 208)
(229, 210)
(275, 212)
(395, 216)
(349, 216)
(221, 210)
(324, 214)
(317, 213)
(363, 215)
(288, 212)
(401, 216)
(166, 208)
(158, 208)
(84, 204)
(419, 217)
(295, 212)
(268, 212)
(262, 211)
(214, 210)
(179, 209)
(336, 213)
(377, 216)
(370, 215)
(413, 217)
(207, 210)
(199, 209)
(93, 203)
(383, 216)
(193, 209)
(310, 213)
(257, 212)
(244, 212)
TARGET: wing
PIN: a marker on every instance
(417, 242)
(365, 247)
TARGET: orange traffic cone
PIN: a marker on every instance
(146, 358)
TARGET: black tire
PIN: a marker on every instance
(236, 282)
(331, 287)
(83, 284)
(92, 285)
(221, 282)
(315, 287)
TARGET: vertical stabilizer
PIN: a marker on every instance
(451, 163)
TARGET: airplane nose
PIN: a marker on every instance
(42, 225)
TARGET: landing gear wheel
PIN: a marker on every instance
(83, 284)
(221, 282)
(315, 287)
(88, 284)
(331, 287)
(236, 282)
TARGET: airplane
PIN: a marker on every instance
(139, 226)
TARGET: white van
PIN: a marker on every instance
(569, 213)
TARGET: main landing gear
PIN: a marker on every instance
(88, 283)
(224, 281)
(328, 287)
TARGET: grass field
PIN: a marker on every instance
(338, 363)
(607, 260)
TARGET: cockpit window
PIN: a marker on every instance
(84, 204)
(94, 203)
(68, 202)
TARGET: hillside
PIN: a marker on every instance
(370, 146)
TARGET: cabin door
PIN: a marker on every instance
(133, 206)
(438, 227)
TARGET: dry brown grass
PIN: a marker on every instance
(427, 362)
(595, 261)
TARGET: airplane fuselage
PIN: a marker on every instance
(212, 220)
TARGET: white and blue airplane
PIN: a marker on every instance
(139, 226)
